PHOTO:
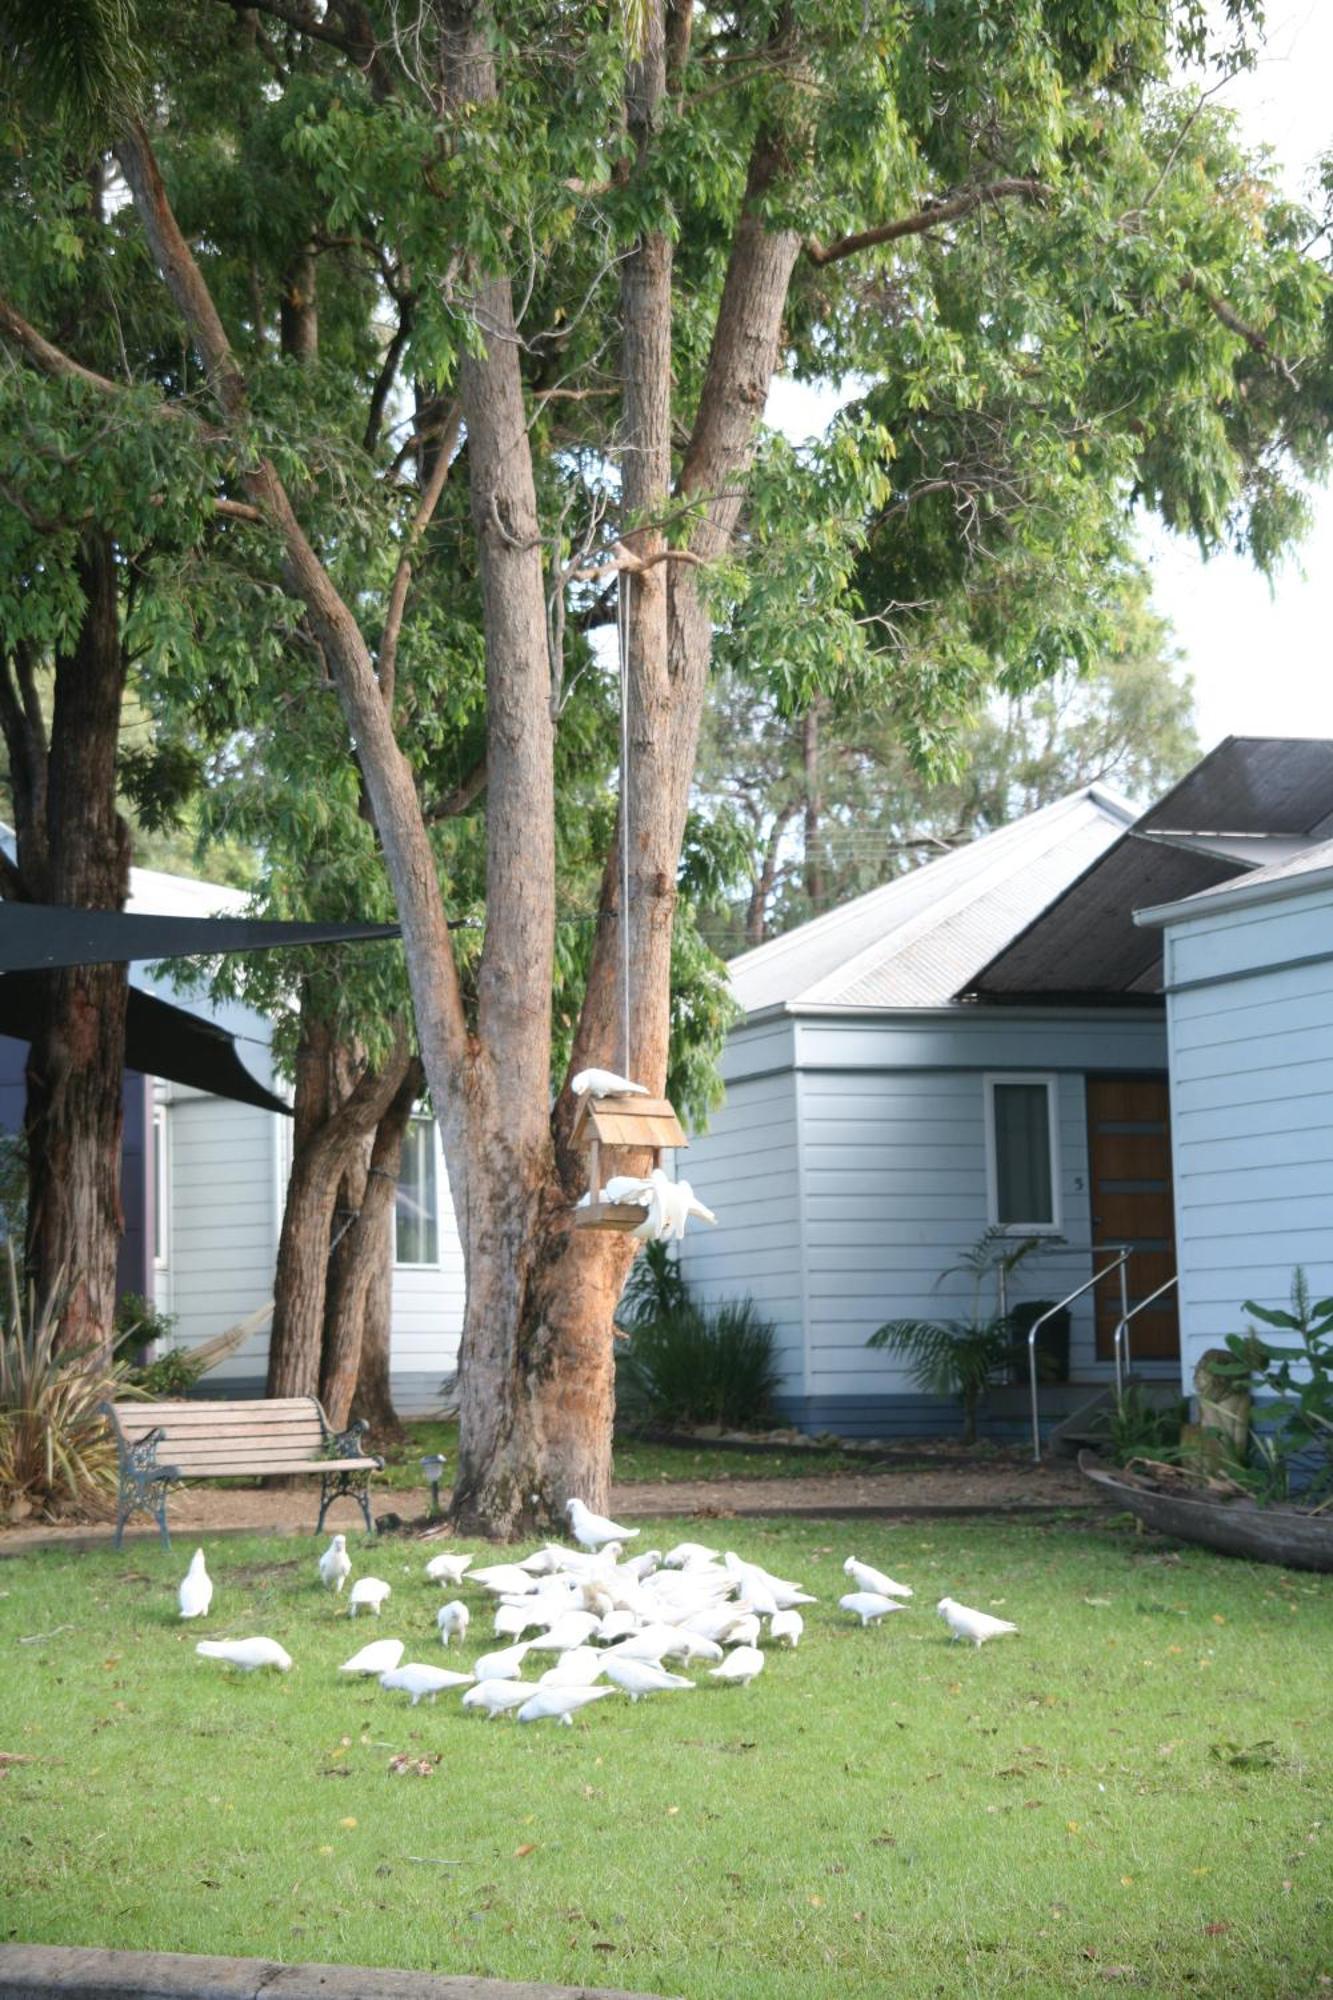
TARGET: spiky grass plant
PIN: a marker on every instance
(56, 1451)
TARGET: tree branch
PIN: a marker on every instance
(951, 208)
(238, 510)
(464, 794)
(402, 580)
(1231, 319)
(384, 381)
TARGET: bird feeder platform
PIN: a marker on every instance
(620, 1122)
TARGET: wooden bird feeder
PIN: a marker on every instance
(618, 1122)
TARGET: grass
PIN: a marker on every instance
(639, 1462)
(1135, 1790)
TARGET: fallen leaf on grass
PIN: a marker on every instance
(528, 1847)
(405, 1765)
(8, 1757)
(1216, 1930)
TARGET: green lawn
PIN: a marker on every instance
(639, 1462)
(1136, 1790)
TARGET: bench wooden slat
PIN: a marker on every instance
(207, 1406)
(265, 1468)
(188, 1432)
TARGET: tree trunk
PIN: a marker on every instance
(361, 1262)
(79, 856)
(813, 810)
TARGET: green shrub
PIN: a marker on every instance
(689, 1364)
(1294, 1450)
(1136, 1428)
(56, 1449)
(137, 1324)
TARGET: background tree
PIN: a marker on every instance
(1064, 287)
(871, 811)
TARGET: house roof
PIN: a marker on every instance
(921, 938)
(1251, 798)
(1310, 869)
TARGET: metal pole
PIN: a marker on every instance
(626, 1058)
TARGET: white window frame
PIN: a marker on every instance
(161, 1185)
(1051, 1083)
(423, 1117)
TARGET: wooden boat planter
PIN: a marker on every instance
(1230, 1522)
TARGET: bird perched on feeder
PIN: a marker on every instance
(605, 1083)
(196, 1591)
(594, 1531)
(978, 1626)
(247, 1654)
(335, 1565)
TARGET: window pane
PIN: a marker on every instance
(1023, 1191)
(416, 1222)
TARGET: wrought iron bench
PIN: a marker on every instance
(215, 1440)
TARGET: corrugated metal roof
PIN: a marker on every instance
(921, 938)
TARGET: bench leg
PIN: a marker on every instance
(364, 1498)
(122, 1515)
(161, 1511)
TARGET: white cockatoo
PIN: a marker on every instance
(787, 1625)
(641, 1677)
(504, 1580)
(605, 1083)
(691, 1646)
(196, 1591)
(381, 1656)
(448, 1569)
(978, 1626)
(417, 1680)
(866, 1578)
(739, 1667)
(247, 1654)
(497, 1696)
(594, 1531)
(869, 1605)
(687, 1555)
(573, 1628)
(505, 1665)
(745, 1632)
(579, 1667)
(559, 1704)
(453, 1618)
(651, 1644)
(335, 1565)
(371, 1590)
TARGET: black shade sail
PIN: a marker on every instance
(160, 1040)
(35, 937)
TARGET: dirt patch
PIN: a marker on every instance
(1002, 1483)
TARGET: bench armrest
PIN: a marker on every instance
(347, 1444)
(136, 1454)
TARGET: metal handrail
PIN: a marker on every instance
(1122, 1334)
(1119, 1264)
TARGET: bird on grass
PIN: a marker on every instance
(605, 1083)
(448, 1569)
(381, 1656)
(418, 1680)
(247, 1654)
(740, 1666)
(196, 1591)
(688, 1554)
(978, 1626)
(505, 1665)
(560, 1704)
(371, 1590)
(579, 1667)
(875, 1580)
(335, 1565)
(641, 1677)
(594, 1531)
(869, 1605)
(495, 1697)
(451, 1618)
(787, 1625)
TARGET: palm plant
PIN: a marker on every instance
(56, 1450)
(962, 1357)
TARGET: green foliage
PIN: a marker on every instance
(56, 1450)
(1294, 1450)
(686, 1363)
(137, 1324)
(1137, 1428)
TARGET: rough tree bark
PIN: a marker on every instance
(73, 847)
(357, 1316)
(335, 1113)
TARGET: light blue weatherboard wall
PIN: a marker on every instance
(848, 1169)
(1250, 1010)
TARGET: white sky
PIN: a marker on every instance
(1260, 656)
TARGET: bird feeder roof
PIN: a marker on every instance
(627, 1121)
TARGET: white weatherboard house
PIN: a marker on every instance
(1249, 997)
(984, 1042)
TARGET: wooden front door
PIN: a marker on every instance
(1129, 1156)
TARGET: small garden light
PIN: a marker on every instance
(433, 1468)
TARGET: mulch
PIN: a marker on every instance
(1005, 1485)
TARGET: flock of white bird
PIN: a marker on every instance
(609, 1623)
(667, 1205)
